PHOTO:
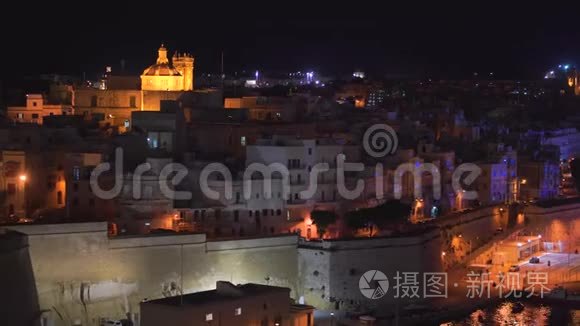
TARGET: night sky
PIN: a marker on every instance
(440, 41)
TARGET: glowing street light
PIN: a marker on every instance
(22, 177)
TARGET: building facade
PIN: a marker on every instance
(36, 109)
(229, 304)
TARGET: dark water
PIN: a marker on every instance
(532, 314)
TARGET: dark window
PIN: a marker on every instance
(75, 187)
(271, 212)
(264, 212)
(196, 214)
(237, 197)
(11, 188)
(33, 103)
(278, 212)
(236, 216)
(76, 173)
(257, 214)
(94, 101)
(296, 196)
(133, 102)
(218, 214)
(35, 116)
(310, 151)
(250, 213)
(59, 198)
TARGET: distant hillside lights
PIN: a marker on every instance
(568, 73)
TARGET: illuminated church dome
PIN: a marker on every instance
(162, 67)
(163, 76)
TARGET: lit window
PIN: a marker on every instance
(20, 115)
(208, 317)
(238, 311)
(243, 140)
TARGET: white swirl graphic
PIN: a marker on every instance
(380, 140)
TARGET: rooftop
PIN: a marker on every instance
(224, 291)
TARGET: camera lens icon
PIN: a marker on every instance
(373, 284)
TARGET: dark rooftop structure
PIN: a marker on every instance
(223, 291)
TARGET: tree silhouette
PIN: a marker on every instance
(322, 219)
(390, 213)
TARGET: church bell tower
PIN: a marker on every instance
(184, 64)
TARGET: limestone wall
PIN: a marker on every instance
(18, 304)
(82, 275)
(330, 270)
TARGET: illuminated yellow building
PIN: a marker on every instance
(574, 82)
(163, 76)
(160, 82)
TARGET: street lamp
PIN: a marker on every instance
(22, 177)
(332, 318)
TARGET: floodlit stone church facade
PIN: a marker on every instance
(169, 76)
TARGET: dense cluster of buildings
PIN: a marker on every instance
(53, 142)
